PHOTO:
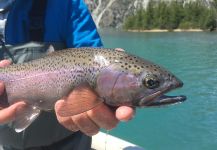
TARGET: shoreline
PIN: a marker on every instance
(165, 30)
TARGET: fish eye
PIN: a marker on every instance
(151, 82)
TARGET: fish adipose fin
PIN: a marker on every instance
(24, 118)
(82, 99)
(50, 49)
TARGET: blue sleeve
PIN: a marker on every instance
(16, 26)
(67, 21)
(81, 30)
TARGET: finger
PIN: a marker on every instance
(85, 124)
(5, 63)
(79, 100)
(2, 88)
(103, 116)
(9, 113)
(124, 113)
(67, 122)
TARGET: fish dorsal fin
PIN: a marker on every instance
(120, 49)
(25, 117)
(50, 49)
(82, 99)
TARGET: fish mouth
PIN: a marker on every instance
(159, 99)
(166, 100)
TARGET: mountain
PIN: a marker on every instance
(111, 13)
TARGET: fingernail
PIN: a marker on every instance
(21, 106)
(73, 128)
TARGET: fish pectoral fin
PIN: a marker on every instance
(81, 99)
(25, 117)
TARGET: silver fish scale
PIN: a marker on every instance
(60, 71)
(43, 81)
(79, 59)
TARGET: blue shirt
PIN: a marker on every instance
(66, 21)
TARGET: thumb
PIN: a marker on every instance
(5, 63)
(58, 105)
(9, 113)
(125, 113)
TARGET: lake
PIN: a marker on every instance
(191, 56)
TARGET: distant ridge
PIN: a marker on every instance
(112, 13)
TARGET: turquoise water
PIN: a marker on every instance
(193, 58)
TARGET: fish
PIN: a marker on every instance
(116, 78)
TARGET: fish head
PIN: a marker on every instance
(153, 83)
(137, 82)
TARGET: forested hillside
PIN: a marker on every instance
(174, 15)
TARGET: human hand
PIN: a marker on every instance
(9, 113)
(91, 121)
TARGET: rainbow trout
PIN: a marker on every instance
(118, 78)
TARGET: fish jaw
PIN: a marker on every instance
(167, 100)
(160, 99)
(118, 87)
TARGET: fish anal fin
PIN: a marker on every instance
(81, 99)
(25, 117)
